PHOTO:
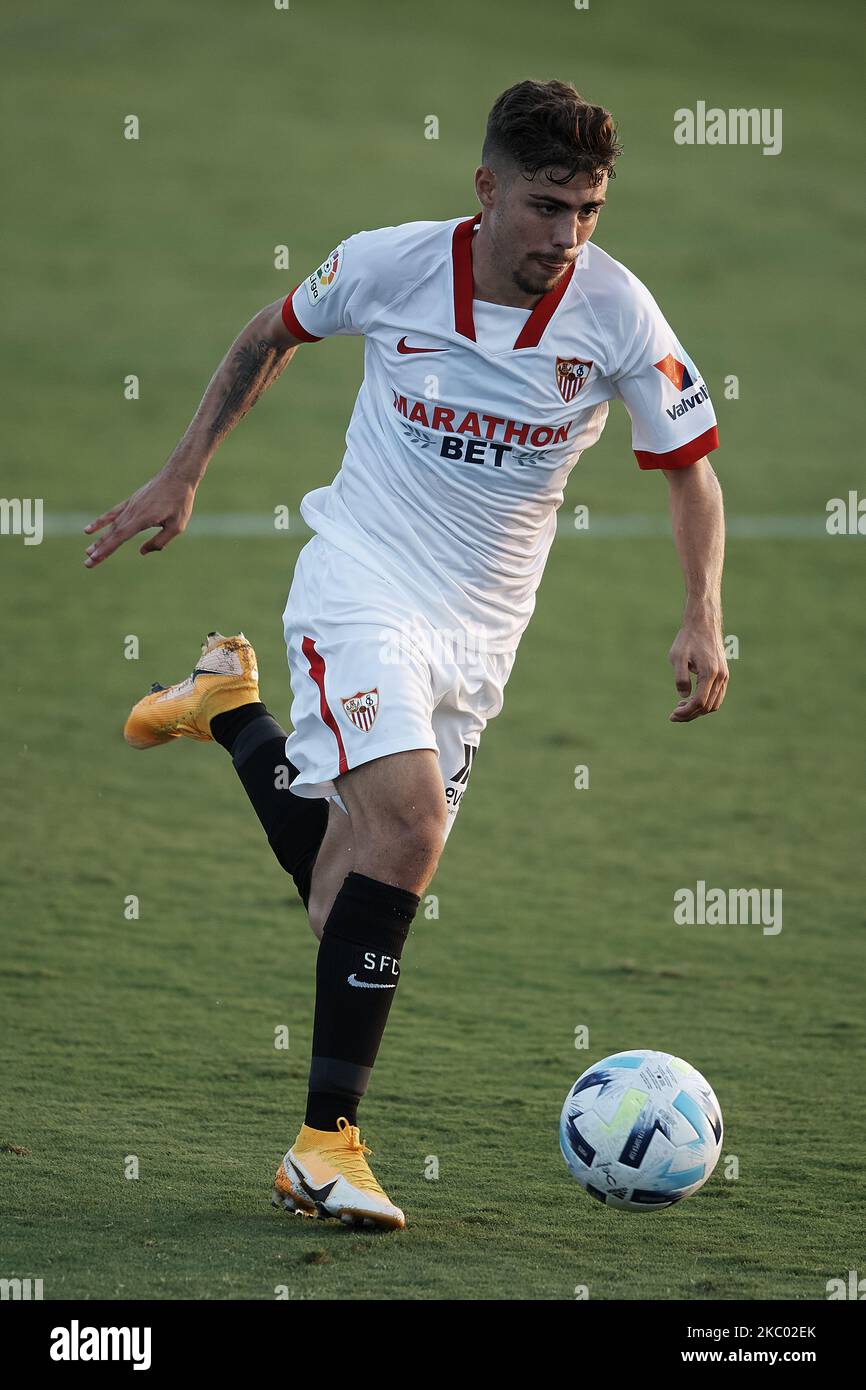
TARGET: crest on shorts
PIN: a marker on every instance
(362, 708)
(572, 374)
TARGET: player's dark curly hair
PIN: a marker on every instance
(549, 126)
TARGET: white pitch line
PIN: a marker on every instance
(636, 525)
(632, 526)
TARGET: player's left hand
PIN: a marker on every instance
(698, 649)
(165, 502)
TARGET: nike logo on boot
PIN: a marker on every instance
(315, 1194)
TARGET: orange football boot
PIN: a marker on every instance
(226, 676)
(325, 1173)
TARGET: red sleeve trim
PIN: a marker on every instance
(682, 457)
(293, 323)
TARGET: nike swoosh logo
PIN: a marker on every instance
(315, 1194)
(366, 984)
(402, 347)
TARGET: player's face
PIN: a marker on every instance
(541, 226)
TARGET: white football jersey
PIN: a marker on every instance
(471, 415)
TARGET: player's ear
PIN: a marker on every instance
(485, 185)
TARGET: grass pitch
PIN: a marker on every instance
(153, 1037)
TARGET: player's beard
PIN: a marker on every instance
(534, 279)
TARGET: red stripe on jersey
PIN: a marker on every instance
(317, 671)
(464, 289)
(684, 455)
(530, 333)
(464, 285)
(293, 323)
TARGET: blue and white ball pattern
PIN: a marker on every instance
(641, 1130)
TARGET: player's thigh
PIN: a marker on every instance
(397, 840)
(396, 803)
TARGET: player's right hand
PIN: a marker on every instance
(166, 502)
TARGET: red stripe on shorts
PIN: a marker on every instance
(317, 671)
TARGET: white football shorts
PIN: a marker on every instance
(371, 676)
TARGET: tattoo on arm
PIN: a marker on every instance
(254, 367)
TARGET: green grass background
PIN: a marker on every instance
(155, 1037)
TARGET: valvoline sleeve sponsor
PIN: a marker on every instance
(672, 416)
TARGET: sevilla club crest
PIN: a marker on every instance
(572, 374)
(362, 708)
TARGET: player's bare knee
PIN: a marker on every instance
(404, 847)
(420, 840)
(416, 838)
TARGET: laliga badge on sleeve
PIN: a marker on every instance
(321, 280)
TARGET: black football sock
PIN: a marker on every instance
(295, 825)
(357, 970)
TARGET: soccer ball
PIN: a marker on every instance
(641, 1130)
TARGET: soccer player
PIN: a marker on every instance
(493, 344)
